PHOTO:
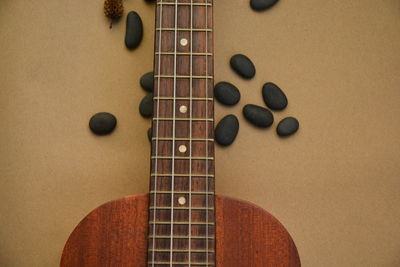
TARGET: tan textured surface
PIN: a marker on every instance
(335, 185)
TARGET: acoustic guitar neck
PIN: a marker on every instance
(181, 222)
(181, 215)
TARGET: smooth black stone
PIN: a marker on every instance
(258, 116)
(287, 126)
(134, 30)
(243, 66)
(146, 81)
(149, 133)
(260, 5)
(227, 130)
(102, 123)
(146, 106)
(226, 93)
(274, 97)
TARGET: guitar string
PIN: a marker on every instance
(207, 189)
(190, 131)
(173, 138)
(156, 149)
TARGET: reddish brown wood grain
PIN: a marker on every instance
(115, 234)
(249, 236)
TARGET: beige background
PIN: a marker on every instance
(334, 185)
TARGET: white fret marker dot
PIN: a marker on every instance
(184, 42)
(182, 200)
(182, 148)
(183, 109)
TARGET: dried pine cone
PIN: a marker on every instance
(113, 9)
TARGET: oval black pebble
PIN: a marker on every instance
(149, 133)
(243, 66)
(227, 130)
(260, 5)
(134, 30)
(226, 93)
(146, 81)
(258, 116)
(102, 123)
(146, 106)
(274, 97)
(287, 126)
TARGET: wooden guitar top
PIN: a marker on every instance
(115, 234)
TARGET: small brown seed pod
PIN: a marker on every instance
(113, 9)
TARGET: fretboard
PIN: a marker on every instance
(182, 217)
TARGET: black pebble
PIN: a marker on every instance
(227, 130)
(287, 126)
(274, 97)
(102, 123)
(243, 66)
(258, 116)
(146, 81)
(149, 133)
(260, 5)
(226, 93)
(134, 30)
(146, 106)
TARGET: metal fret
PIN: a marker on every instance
(181, 223)
(183, 76)
(183, 250)
(182, 192)
(183, 54)
(183, 98)
(182, 119)
(184, 29)
(182, 139)
(182, 157)
(180, 237)
(181, 263)
(181, 208)
(183, 4)
(182, 175)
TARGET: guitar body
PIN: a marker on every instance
(115, 234)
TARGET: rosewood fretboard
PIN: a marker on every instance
(182, 217)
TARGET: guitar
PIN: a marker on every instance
(181, 222)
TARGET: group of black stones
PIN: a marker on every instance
(226, 93)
